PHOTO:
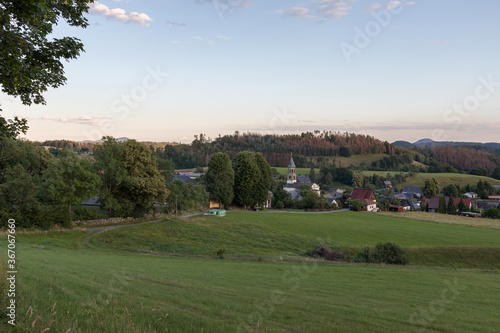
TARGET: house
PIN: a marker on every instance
(185, 179)
(494, 197)
(331, 199)
(470, 195)
(189, 173)
(413, 191)
(367, 197)
(369, 205)
(485, 205)
(434, 203)
(387, 184)
(363, 193)
(293, 182)
(92, 201)
(469, 214)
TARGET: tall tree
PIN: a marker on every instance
(246, 173)
(312, 174)
(264, 181)
(357, 180)
(431, 188)
(112, 171)
(496, 173)
(30, 62)
(219, 179)
(143, 184)
(442, 205)
(451, 208)
(71, 179)
(462, 207)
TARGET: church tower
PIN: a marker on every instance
(292, 177)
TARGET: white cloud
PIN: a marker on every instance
(224, 37)
(301, 12)
(334, 9)
(211, 42)
(82, 120)
(197, 38)
(389, 5)
(175, 24)
(119, 14)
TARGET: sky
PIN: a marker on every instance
(166, 70)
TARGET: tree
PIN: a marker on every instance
(30, 62)
(451, 191)
(329, 179)
(462, 207)
(442, 205)
(357, 180)
(219, 179)
(71, 179)
(143, 184)
(356, 205)
(112, 171)
(496, 173)
(312, 174)
(246, 174)
(431, 188)
(264, 181)
(451, 208)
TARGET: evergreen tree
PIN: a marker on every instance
(312, 174)
(442, 205)
(219, 179)
(452, 208)
(462, 207)
(264, 181)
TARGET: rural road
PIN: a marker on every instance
(190, 215)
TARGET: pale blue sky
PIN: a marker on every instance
(278, 66)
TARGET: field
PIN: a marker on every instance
(442, 178)
(166, 275)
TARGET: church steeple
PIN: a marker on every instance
(292, 177)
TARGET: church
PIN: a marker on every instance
(293, 182)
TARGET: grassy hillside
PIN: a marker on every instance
(443, 178)
(165, 276)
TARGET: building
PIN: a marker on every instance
(293, 182)
(367, 197)
(433, 203)
(387, 184)
(413, 191)
(494, 197)
(470, 195)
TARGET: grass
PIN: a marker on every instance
(164, 276)
(107, 291)
(443, 179)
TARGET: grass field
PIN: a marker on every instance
(165, 275)
(442, 178)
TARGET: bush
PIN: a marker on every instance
(327, 253)
(388, 253)
(279, 205)
(86, 213)
(220, 253)
(364, 256)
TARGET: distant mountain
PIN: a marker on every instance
(403, 144)
(431, 143)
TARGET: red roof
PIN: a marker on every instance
(363, 193)
(434, 202)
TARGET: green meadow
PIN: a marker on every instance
(166, 276)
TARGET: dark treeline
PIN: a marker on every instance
(276, 149)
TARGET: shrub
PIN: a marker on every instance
(279, 205)
(86, 213)
(364, 256)
(390, 253)
(220, 253)
(327, 253)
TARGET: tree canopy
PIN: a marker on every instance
(30, 61)
(220, 179)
